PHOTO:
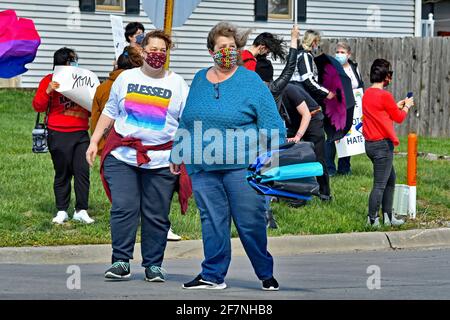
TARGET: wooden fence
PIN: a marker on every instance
(421, 65)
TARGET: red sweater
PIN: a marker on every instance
(379, 112)
(249, 60)
(64, 115)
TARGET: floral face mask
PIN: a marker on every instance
(226, 58)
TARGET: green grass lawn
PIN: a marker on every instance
(27, 201)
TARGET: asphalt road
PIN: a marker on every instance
(403, 274)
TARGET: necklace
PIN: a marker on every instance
(216, 85)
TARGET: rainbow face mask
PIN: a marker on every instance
(226, 58)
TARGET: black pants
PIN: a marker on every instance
(139, 194)
(381, 153)
(68, 151)
(344, 166)
(316, 135)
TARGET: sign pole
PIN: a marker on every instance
(168, 21)
(295, 11)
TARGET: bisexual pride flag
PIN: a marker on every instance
(19, 42)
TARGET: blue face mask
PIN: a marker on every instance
(140, 38)
(341, 57)
(74, 63)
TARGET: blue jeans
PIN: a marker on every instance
(139, 195)
(343, 163)
(220, 196)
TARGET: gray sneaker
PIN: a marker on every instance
(155, 274)
(119, 270)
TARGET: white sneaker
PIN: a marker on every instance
(172, 236)
(392, 222)
(376, 223)
(82, 216)
(61, 217)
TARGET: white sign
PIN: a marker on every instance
(353, 142)
(118, 34)
(77, 84)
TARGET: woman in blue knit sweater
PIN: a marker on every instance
(227, 104)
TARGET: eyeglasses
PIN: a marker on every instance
(216, 90)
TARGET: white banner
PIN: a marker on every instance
(77, 84)
(353, 142)
(118, 34)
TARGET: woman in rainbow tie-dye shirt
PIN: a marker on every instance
(143, 110)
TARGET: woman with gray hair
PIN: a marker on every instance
(228, 99)
(343, 54)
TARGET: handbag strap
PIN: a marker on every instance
(46, 114)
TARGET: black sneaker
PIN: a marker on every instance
(155, 274)
(119, 270)
(325, 198)
(270, 285)
(199, 283)
(296, 203)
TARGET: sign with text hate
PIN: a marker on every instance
(353, 142)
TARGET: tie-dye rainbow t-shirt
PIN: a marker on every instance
(147, 106)
(147, 109)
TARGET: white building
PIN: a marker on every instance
(60, 23)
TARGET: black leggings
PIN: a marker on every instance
(381, 153)
(68, 151)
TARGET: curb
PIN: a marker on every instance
(278, 246)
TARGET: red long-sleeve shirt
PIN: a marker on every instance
(249, 60)
(379, 112)
(64, 114)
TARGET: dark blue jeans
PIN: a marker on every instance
(222, 196)
(137, 195)
(381, 153)
(330, 155)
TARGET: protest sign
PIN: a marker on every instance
(118, 34)
(77, 84)
(353, 142)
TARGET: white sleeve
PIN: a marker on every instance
(184, 95)
(111, 109)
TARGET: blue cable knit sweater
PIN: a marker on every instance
(221, 125)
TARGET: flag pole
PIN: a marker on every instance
(168, 21)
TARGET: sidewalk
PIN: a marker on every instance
(278, 246)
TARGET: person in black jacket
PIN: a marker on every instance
(343, 54)
(306, 73)
(306, 77)
(264, 68)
